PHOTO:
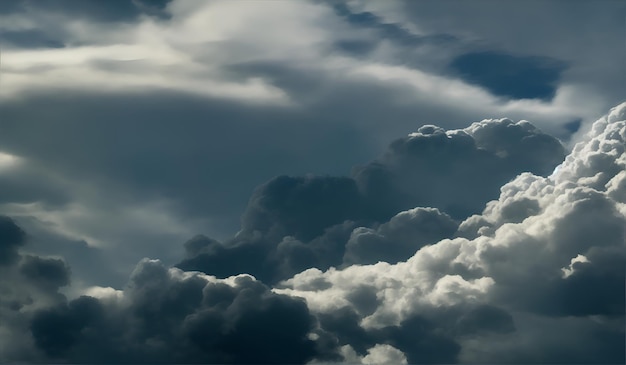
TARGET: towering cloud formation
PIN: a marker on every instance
(536, 277)
(293, 223)
(457, 171)
(549, 253)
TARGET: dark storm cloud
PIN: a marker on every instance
(398, 239)
(168, 317)
(302, 206)
(456, 172)
(423, 340)
(78, 254)
(268, 258)
(51, 273)
(483, 318)
(26, 282)
(11, 238)
(415, 337)
(595, 288)
(48, 274)
(294, 223)
(510, 76)
(162, 316)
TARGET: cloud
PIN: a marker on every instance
(186, 47)
(422, 169)
(193, 89)
(522, 260)
(11, 237)
(161, 315)
(545, 258)
(398, 239)
(166, 315)
(72, 219)
(294, 223)
(384, 354)
(27, 283)
(301, 207)
(129, 128)
(387, 30)
(412, 339)
(495, 27)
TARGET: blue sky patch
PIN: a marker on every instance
(510, 76)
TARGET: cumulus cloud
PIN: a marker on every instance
(27, 283)
(536, 277)
(166, 315)
(423, 168)
(161, 315)
(398, 239)
(294, 223)
(550, 250)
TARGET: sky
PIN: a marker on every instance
(312, 182)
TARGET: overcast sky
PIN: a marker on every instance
(276, 181)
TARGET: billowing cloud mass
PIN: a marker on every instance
(293, 223)
(550, 251)
(312, 182)
(535, 277)
(165, 315)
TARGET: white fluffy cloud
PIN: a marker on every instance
(550, 248)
